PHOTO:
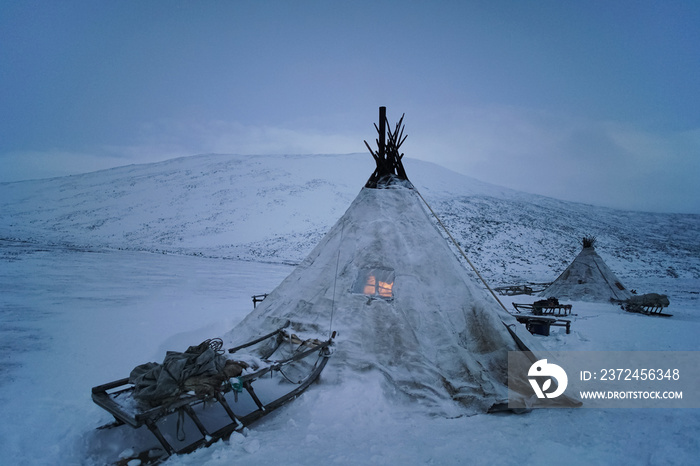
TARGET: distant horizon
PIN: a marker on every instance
(596, 102)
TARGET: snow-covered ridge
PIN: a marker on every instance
(276, 208)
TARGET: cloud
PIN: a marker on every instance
(169, 139)
(234, 137)
(26, 165)
(599, 162)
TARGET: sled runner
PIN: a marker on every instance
(646, 310)
(208, 406)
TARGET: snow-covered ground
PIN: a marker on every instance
(74, 319)
(87, 293)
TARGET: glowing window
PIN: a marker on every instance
(375, 282)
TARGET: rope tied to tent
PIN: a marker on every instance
(461, 251)
(335, 281)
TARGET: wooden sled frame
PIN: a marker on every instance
(514, 290)
(540, 325)
(105, 395)
(542, 317)
(559, 310)
(646, 310)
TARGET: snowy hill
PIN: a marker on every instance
(276, 208)
(85, 299)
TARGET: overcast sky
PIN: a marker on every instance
(590, 101)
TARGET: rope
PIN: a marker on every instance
(461, 252)
(335, 281)
(216, 344)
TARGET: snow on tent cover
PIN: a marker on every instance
(386, 282)
(588, 278)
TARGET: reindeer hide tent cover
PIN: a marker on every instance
(588, 278)
(386, 281)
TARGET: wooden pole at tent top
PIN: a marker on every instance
(382, 132)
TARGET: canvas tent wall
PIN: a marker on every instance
(401, 303)
(587, 278)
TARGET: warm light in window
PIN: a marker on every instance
(377, 282)
(371, 285)
(378, 287)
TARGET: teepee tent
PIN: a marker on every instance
(389, 286)
(587, 278)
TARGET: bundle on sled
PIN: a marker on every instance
(650, 304)
(206, 393)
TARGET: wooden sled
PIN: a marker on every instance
(193, 421)
(646, 310)
(513, 290)
(519, 307)
(543, 315)
(544, 307)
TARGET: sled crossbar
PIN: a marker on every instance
(556, 310)
(258, 340)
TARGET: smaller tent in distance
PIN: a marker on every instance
(588, 278)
